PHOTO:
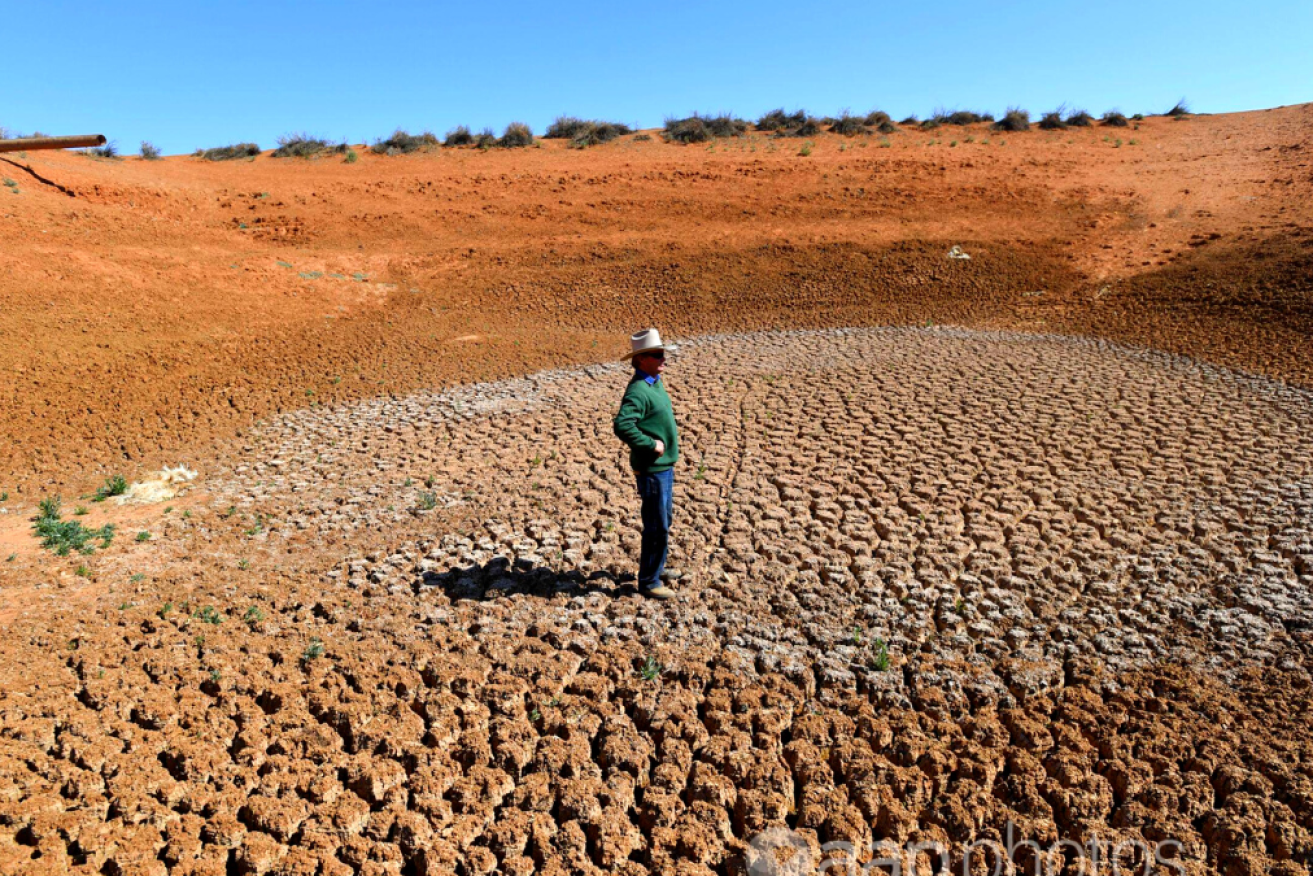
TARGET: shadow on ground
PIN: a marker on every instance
(501, 576)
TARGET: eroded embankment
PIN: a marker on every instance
(148, 308)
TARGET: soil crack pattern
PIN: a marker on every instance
(938, 582)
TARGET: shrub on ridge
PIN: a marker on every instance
(779, 120)
(1052, 120)
(516, 136)
(1015, 119)
(849, 126)
(401, 143)
(229, 153)
(584, 132)
(458, 136)
(303, 146)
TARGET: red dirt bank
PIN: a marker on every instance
(148, 307)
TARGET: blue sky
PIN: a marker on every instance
(186, 75)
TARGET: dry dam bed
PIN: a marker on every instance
(938, 581)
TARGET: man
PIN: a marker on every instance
(646, 422)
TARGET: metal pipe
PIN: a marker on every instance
(28, 144)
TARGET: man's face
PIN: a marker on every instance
(653, 363)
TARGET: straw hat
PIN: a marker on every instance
(644, 342)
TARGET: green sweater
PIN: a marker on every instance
(646, 415)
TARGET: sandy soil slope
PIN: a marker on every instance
(149, 306)
(951, 568)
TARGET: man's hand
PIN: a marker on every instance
(660, 447)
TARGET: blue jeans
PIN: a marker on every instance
(657, 492)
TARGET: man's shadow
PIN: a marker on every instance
(502, 576)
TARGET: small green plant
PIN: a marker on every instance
(12, 186)
(65, 536)
(960, 606)
(228, 512)
(536, 461)
(208, 614)
(164, 610)
(143, 536)
(82, 571)
(880, 656)
(4, 496)
(857, 635)
(351, 157)
(215, 675)
(81, 510)
(701, 474)
(535, 716)
(427, 501)
(116, 485)
(243, 564)
(137, 577)
(253, 615)
(11, 558)
(650, 670)
(313, 651)
(806, 149)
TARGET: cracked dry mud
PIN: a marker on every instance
(1089, 567)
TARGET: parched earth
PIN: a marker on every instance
(941, 586)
